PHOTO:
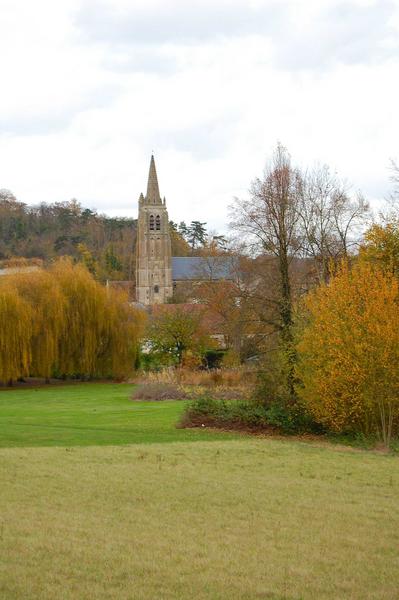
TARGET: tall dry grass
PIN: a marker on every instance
(205, 378)
(183, 383)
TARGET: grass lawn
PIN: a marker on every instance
(89, 414)
(241, 518)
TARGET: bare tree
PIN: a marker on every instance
(270, 218)
(395, 177)
(391, 212)
(331, 220)
(291, 216)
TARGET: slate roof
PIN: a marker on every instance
(197, 268)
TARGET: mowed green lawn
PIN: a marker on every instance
(89, 414)
(241, 518)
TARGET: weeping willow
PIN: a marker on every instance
(123, 328)
(16, 324)
(84, 318)
(63, 322)
(102, 330)
(48, 305)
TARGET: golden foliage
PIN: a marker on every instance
(349, 352)
(16, 321)
(63, 322)
(381, 246)
(47, 304)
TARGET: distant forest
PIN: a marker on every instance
(104, 244)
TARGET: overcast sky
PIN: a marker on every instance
(90, 88)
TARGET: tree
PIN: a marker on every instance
(16, 323)
(222, 299)
(63, 322)
(122, 331)
(395, 181)
(270, 217)
(381, 246)
(349, 352)
(47, 231)
(180, 247)
(220, 241)
(112, 261)
(196, 235)
(390, 212)
(87, 258)
(329, 218)
(89, 341)
(7, 196)
(183, 230)
(47, 305)
(176, 332)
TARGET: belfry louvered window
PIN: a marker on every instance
(158, 223)
(152, 222)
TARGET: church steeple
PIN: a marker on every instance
(153, 246)
(153, 196)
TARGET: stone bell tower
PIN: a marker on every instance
(153, 246)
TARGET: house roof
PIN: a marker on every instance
(202, 267)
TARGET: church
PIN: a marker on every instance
(159, 274)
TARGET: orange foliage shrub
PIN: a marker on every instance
(348, 354)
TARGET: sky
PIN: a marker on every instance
(89, 89)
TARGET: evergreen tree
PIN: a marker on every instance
(196, 234)
(183, 230)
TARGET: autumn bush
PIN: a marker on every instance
(348, 352)
(209, 411)
(62, 322)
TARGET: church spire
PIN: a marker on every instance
(153, 196)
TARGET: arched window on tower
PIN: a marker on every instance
(152, 221)
(158, 223)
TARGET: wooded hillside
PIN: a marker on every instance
(47, 231)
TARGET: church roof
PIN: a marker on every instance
(203, 267)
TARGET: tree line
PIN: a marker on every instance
(60, 322)
(105, 245)
(198, 238)
(315, 300)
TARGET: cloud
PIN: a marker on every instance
(177, 22)
(90, 89)
(312, 36)
(344, 32)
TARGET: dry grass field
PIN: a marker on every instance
(242, 518)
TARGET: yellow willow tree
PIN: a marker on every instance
(348, 354)
(48, 304)
(16, 320)
(102, 330)
(84, 318)
(123, 328)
